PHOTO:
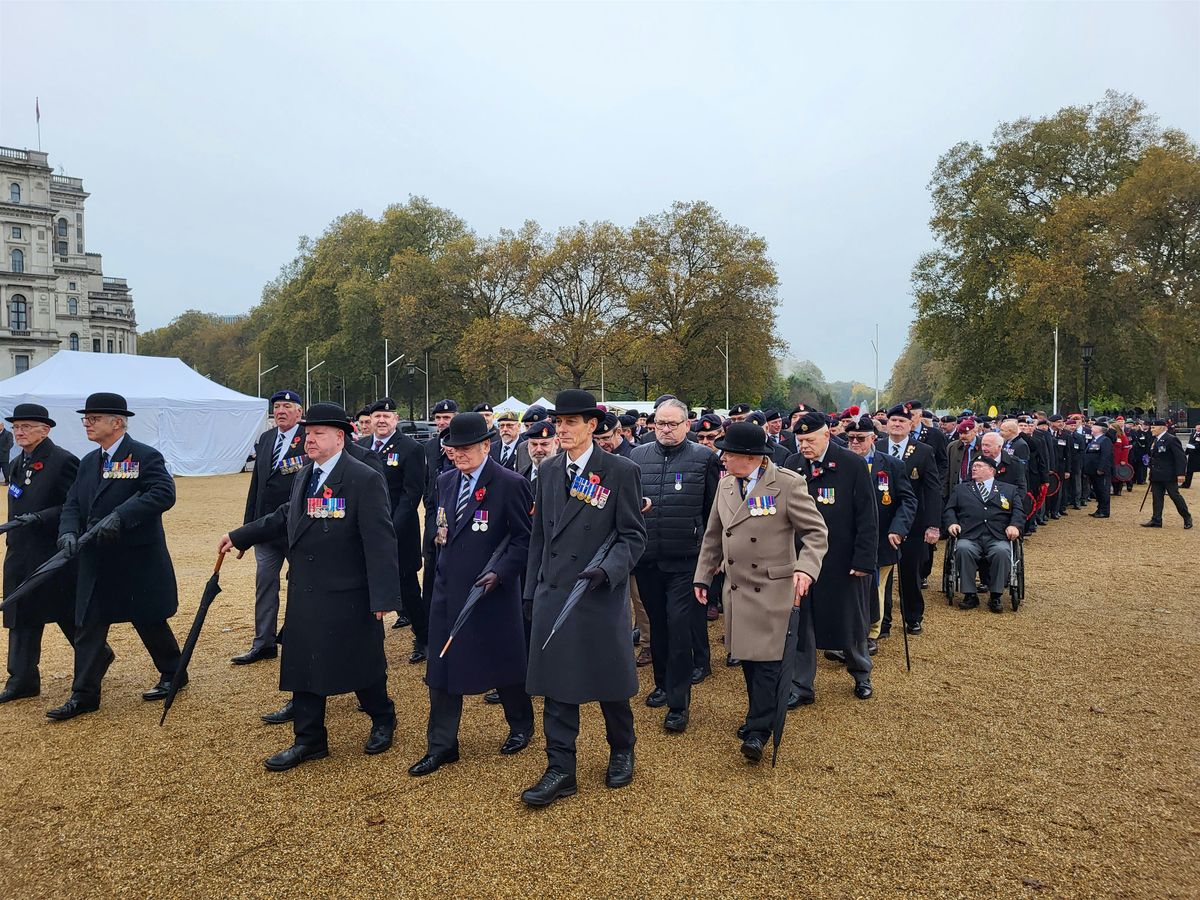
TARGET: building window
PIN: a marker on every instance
(62, 248)
(14, 193)
(62, 227)
(79, 247)
(74, 341)
(70, 285)
(121, 345)
(16, 233)
(72, 306)
(95, 345)
(18, 313)
(18, 261)
(110, 345)
(22, 361)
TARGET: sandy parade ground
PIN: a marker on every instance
(1049, 753)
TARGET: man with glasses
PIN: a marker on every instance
(504, 451)
(679, 477)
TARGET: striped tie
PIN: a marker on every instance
(463, 496)
(278, 448)
(983, 491)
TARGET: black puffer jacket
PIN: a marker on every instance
(681, 483)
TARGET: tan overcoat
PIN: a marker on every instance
(758, 554)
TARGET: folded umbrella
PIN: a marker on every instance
(581, 586)
(11, 526)
(787, 669)
(211, 589)
(43, 572)
(474, 595)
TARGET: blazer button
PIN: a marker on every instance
(310, 559)
(754, 565)
(554, 587)
(753, 540)
(573, 556)
(730, 534)
(733, 587)
(730, 561)
(756, 590)
(554, 553)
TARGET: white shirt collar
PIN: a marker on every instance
(327, 466)
(474, 476)
(384, 440)
(583, 459)
(112, 451)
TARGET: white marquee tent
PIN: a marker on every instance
(512, 403)
(200, 427)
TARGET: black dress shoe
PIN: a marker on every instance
(994, 604)
(730, 662)
(620, 769)
(924, 584)
(837, 656)
(741, 732)
(431, 762)
(656, 699)
(1152, 524)
(514, 743)
(380, 739)
(492, 696)
(885, 632)
(795, 700)
(700, 673)
(72, 708)
(752, 748)
(418, 655)
(253, 656)
(969, 601)
(862, 690)
(676, 721)
(294, 755)
(915, 628)
(1098, 515)
(402, 621)
(872, 646)
(9, 693)
(280, 716)
(159, 691)
(551, 786)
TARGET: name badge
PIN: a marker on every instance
(14, 491)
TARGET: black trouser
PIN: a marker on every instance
(427, 578)
(560, 723)
(413, 603)
(670, 603)
(445, 713)
(25, 651)
(91, 651)
(1100, 486)
(1077, 487)
(927, 563)
(762, 690)
(309, 724)
(1139, 468)
(1157, 490)
(908, 580)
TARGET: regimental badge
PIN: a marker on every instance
(393, 459)
(602, 496)
(480, 520)
(916, 475)
(443, 527)
(1003, 502)
(886, 499)
(290, 465)
(327, 507)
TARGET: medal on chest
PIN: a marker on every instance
(393, 459)
(762, 506)
(326, 507)
(126, 468)
(14, 491)
(678, 481)
(480, 520)
(443, 527)
(827, 496)
(292, 464)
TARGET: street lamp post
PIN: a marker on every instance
(412, 371)
(262, 372)
(645, 382)
(1087, 349)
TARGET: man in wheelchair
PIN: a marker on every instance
(983, 516)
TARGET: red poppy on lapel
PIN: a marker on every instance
(37, 466)
(296, 440)
(480, 494)
(593, 478)
(327, 493)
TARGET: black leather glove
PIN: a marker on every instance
(107, 529)
(488, 582)
(32, 518)
(69, 543)
(596, 578)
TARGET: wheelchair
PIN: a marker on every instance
(1016, 573)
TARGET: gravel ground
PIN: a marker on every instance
(1052, 753)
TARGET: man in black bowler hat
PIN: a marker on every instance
(341, 579)
(119, 496)
(582, 496)
(39, 479)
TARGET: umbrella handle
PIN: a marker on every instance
(220, 559)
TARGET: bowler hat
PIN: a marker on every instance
(30, 412)
(574, 402)
(745, 438)
(466, 429)
(104, 402)
(327, 414)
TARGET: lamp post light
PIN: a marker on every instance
(1087, 349)
(645, 382)
(412, 371)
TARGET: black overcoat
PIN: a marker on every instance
(590, 658)
(1167, 460)
(403, 463)
(489, 650)
(896, 504)
(269, 485)
(925, 477)
(40, 486)
(131, 579)
(340, 573)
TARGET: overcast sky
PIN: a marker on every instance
(212, 136)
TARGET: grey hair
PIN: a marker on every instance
(123, 421)
(674, 404)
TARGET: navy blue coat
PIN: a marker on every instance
(489, 651)
(402, 463)
(132, 579)
(1098, 457)
(896, 504)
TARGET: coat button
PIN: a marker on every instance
(554, 587)
(756, 590)
(754, 565)
(733, 587)
(730, 534)
(573, 556)
(730, 561)
(754, 540)
(310, 559)
(554, 553)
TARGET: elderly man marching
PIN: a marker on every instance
(481, 505)
(759, 512)
(585, 499)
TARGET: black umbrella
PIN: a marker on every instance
(45, 570)
(474, 594)
(211, 589)
(787, 669)
(581, 585)
(10, 526)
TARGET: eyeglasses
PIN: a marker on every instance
(92, 420)
(860, 438)
(667, 425)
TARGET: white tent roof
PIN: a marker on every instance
(200, 427)
(512, 403)
(543, 403)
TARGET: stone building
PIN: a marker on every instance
(53, 293)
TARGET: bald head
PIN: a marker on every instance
(992, 443)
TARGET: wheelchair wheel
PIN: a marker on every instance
(1017, 589)
(949, 575)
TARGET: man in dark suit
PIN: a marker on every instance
(1098, 467)
(278, 456)
(960, 453)
(1168, 467)
(6, 445)
(506, 448)
(928, 434)
(895, 510)
(436, 462)
(985, 515)
(838, 614)
(118, 499)
(480, 505)
(918, 461)
(777, 435)
(341, 579)
(402, 464)
(39, 479)
(1078, 438)
(583, 497)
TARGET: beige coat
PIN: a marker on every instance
(758, 554)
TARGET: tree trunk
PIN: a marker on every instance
(1160, 391)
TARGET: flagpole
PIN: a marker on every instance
(37, 109)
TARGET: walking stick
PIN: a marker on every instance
(903, 616)
(1145, 495)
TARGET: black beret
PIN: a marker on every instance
(445, 406)
(384, 404)
(772, 414)
(809, 422)
(659, 401)
(482, 407)
(534, 414)
(740, 409)
(757, 418)
(985, 459)
(539, 430)
(288, 396)
(607, 425)
(914, 404)
(860, 425)
(627, 421)
(899, 409)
